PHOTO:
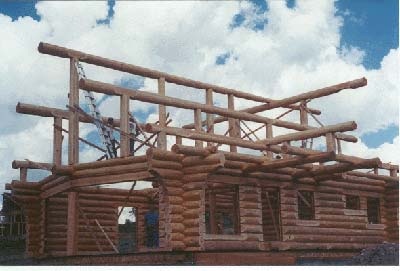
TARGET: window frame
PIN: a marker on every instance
(378, 209)
(358, 207)
(300, 197)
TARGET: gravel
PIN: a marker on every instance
(384, 254)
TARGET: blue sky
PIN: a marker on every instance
(370, 25)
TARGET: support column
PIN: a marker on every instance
(124, 126)
(197, 126)
(213, 221)
(303, 119)
(162, 116)
(73, 156)
(269, 134)
(209, 117)
(73, 124)
(72, 223)
(23, 174)
(330, 142)
(57, 141)
(233, 123)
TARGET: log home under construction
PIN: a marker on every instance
(264, 200)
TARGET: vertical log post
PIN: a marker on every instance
(124, 126)
(73, 156)
(330, 142)
(213, 221)
(23, 174)
(57, 141)
(269, 134)
(162, 116)
(73, 123)
(303, 119)
(236, 210)
(178, 140)
(209, 117)
(339, 146)
(233, 127)
(393, 172)
(72, 223)
(198, 126)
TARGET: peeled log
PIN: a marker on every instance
(159, 154)
(32, 165)
(110, 170)
(337, 168)
(316, 132)
(195, 151)
(288, 162)
(318, 93)
(216, 158)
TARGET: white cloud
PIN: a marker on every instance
(298, 50)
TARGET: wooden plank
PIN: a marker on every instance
(106, 235)
(124, 126)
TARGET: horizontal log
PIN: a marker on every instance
(324, 245)
(111, 162)
(30, 164)
(159, 154)
(202, 169)
(310, 238)
(164, 164)
(44, 111)
(337, 168)
(288, 162)
(312, 133)
(196, 151)
(216, 158)
(373, 176)
(318, 93)
(130, 168)
(109, 179)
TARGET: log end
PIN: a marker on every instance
(359, 83)
(8, 186)
(14, 164)
(148, 127)
(174, 148)
(18, 108)
(41, 47)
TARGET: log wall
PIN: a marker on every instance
(334, 226)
